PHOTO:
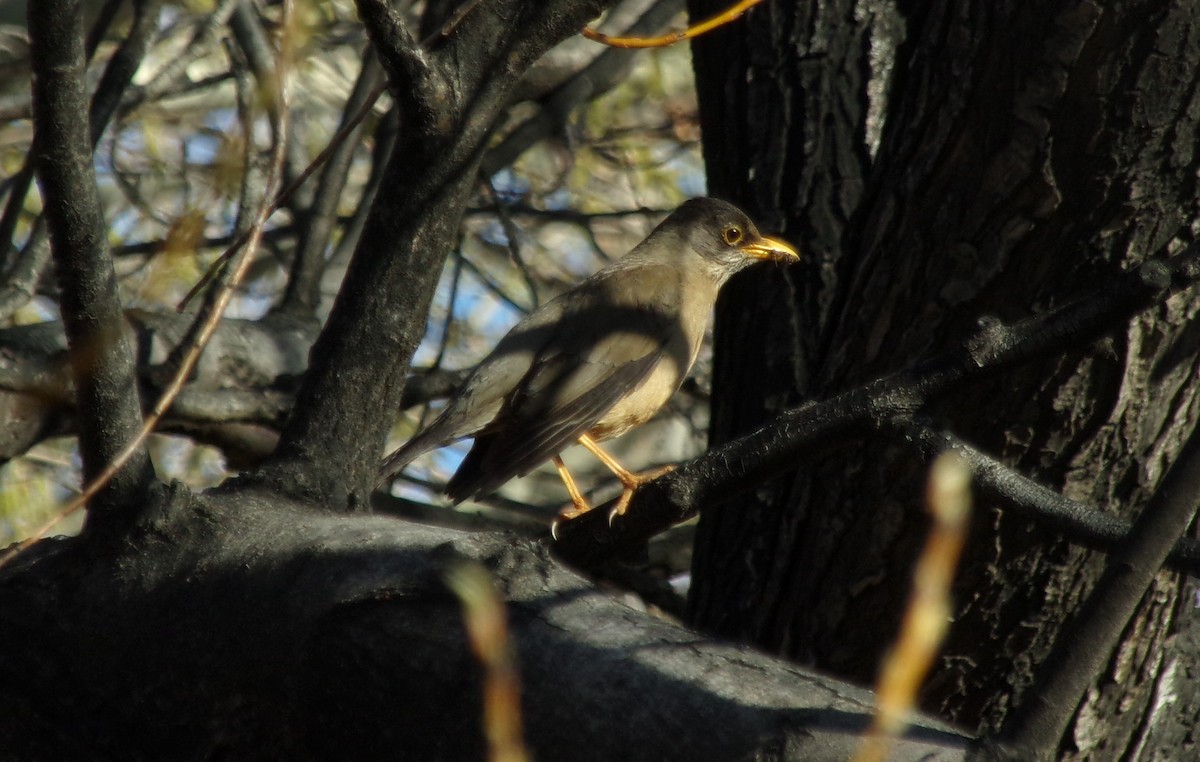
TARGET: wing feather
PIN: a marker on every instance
(526, 441)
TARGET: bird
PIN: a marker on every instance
(597, 360)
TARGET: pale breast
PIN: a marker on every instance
(677, 357)
(642, 403)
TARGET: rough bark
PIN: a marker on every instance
(1028, 152)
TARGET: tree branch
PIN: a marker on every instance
(320, 218)
(1078, 522)
(1036, 729)
(102, 363)
(306, 634)
(422, 91)
(123, 65)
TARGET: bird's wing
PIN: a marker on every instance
(483, 393)
(592, 362)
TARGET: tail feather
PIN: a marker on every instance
(394, 463)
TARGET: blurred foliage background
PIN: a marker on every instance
(597, 147)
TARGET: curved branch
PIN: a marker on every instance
(1079, 522)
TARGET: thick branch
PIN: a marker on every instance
(102, 362)
(301, 639)
(1087, 644)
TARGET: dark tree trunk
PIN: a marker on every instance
(1028, 152)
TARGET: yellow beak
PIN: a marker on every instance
(772, 249)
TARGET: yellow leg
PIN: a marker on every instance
(629, 480)
(579, 502)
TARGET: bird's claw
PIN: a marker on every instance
(621, 506)
(631, 486)
(566, 514)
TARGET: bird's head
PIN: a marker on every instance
(724, 237)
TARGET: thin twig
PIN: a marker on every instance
(733, 13)
(929, 609)
(285, 195)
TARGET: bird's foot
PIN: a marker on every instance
(578, 507)
(632, 482)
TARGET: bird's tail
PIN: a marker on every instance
(395, 462)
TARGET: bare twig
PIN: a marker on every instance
(929, 609)
(731, 14)
(285, 194)
(487, 631)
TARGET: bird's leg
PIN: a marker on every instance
(629, 480)
(579, 502)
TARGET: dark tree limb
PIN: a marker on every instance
(249, 628)
(102, 363)
(1036, 729)
(1080, 523)
(119, 71)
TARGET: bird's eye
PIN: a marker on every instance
(733, 235)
